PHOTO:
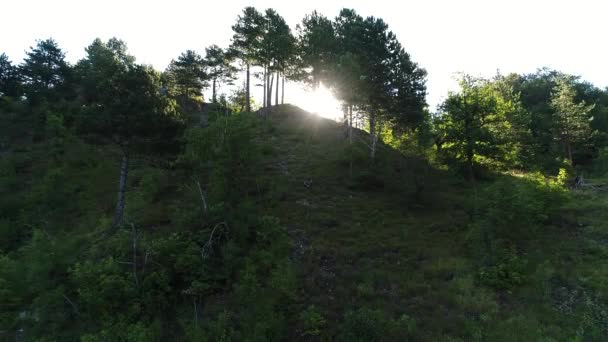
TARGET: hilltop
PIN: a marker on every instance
(276, 228)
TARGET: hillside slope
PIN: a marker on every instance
(277, 229)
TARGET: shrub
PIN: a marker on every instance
(506, 273)
(312, 321)
(600, 164)
(372, 325)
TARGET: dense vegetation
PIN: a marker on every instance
(131, 210)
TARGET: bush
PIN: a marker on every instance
(372, 325)
(506, 273)
(513, 208)
(312, 321)
(600, 164)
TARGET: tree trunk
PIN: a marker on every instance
(470, 147)
(350, 124)
(569, 147)
(276, 91)
(122, 188)
(372, 134)
(248, 98)
(264, 98)
(213, 96)
(283, 90)
(270, 84)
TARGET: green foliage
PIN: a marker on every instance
(506, 273)
(9, 78)
(600, 164)
(123, 103)
(510, 213)
(233, 230)
(316, 48)
(513, 209)
(44, 72)
(186, 76)
(313, 321)
(219, 68)
(476, 126)
(373, 325)
(571, 119)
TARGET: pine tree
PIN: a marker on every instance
(316, 47)
(188, 73)
(44, 72)
(123, 105)
(245, 43)
(571, 119)
(219, 69)
(9, 78)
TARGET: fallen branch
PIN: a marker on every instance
(71, 303)
(206, 250)
(200, 191)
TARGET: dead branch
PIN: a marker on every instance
(206, 250)
(71, 303)
(200, 191)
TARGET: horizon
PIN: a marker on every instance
(478, 38)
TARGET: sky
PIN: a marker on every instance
(445, 37)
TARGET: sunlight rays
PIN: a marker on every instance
(320, 101)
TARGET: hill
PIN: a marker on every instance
(276, 228)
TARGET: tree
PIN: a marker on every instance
(474, 124)
(316, 47)
(349, 71)
(245, 43)
(373, 72)
(407, 90)
(276, 47)
(188, 74)
(219, 69)
(285, 49)
(9, 78)
(44, 71)
(347, 83)
(571, 121)
(122, 105)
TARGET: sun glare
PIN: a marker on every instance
(320, 102)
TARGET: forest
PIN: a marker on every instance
(134, 208)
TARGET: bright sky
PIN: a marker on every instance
(445, 37)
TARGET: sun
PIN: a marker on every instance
(320, 101)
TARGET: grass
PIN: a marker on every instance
(372, 243)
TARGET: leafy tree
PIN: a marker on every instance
(9, 78)
(571, 121)
(474, 124)
(188, 75)
(219, 68)
(245, 43)
(123, 105)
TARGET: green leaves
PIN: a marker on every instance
(44, 70)
(186, 76)
(316, 48)
(571, 120)
(123, 103)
